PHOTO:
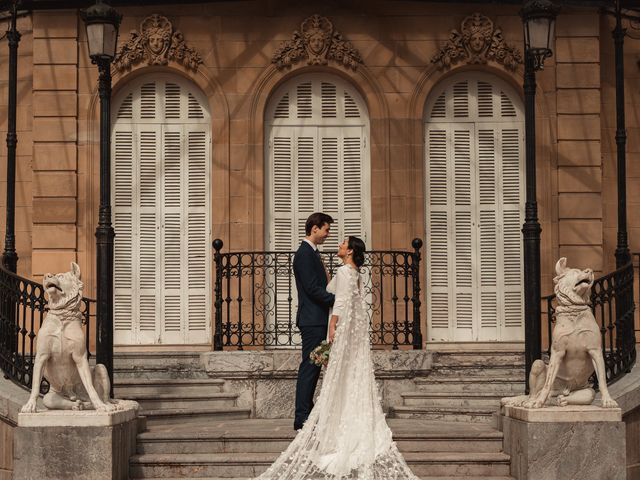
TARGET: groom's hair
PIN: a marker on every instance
(317, 219)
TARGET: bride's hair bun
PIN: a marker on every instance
(358, 247)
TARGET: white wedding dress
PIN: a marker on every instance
(346, 435)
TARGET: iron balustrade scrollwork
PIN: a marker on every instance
(255, 297)
(612, 304)
(22, 310)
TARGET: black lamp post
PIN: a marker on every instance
(10, 257)
(102, 24)
(538, 18)
(623, 256)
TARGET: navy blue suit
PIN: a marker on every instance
(312, 319)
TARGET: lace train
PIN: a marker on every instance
(346, 437)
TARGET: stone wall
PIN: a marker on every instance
(58, 163)
(266, 380)
(55, 184)
(579, 140)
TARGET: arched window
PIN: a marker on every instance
(160, 177)
(317, 128)
(316, 134)
(474, 131)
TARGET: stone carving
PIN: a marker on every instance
(575, 350)
(477, 43)
(156, 43)
(62, 355)
(318, 42)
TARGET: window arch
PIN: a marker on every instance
(316, 129)
(317, 159)
(474, 131)
(161, 190)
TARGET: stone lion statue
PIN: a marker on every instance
(576, 349)
(62, 355)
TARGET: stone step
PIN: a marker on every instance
(158, 365)
(126, 387)
(170, 401)
(478, 371)
(457, 477)
(485, 400)
(227, 465)
(501, 386)
(194, 416)
(471, 359)
(452, 414)
(275, 436)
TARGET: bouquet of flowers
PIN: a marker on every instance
(319, 356)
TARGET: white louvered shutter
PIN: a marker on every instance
(162, 257)
(512, 216)
(463, 232)
(123, 211)
(439, 218)
(474, 166)
(317, 161)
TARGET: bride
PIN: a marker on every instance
(346, 435)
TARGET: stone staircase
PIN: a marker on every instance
(245, 448)
(193, 427)
(464, 387)
(174, 389)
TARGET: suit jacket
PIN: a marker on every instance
(314, 301)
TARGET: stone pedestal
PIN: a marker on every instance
(581, 442)
(75, 445)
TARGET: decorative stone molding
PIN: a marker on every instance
(477, 43)
(318, 42)
(156, 43)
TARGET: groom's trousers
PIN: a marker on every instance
(308, 373)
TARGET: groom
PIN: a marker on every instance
(314, 303)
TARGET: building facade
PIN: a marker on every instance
(235, 120)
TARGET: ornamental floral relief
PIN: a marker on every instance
(477, 42)
(317, 42)
(156, 44)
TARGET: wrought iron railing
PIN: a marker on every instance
(613, 307)
(22, 309)
(255, 298)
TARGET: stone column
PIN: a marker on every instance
(75, 445)
(585, 442)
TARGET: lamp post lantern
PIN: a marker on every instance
(102, 24)
(538, 18)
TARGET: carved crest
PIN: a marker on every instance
(476, 43)
(317, 42)
(156, 43)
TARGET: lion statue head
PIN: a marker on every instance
(64, 289)
(572, 286)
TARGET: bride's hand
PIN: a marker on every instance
(332, 333)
